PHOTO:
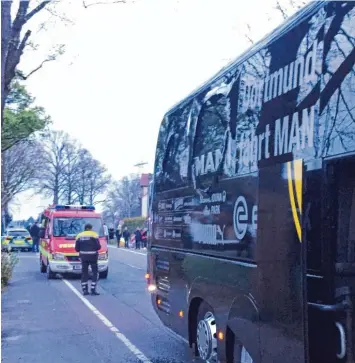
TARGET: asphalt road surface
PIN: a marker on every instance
(50, 321)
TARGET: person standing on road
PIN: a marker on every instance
(126, 235)
(106, 231)
(118, 235)
(138, 236)
(35, 234)
(144, 237)
(111, 233)
(88, 245)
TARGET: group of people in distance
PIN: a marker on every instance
(140, 236)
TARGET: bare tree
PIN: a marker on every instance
(91, 179)
(124, 197)
(52, 180)
(22, 167)
(110, 213)
(69, 173)
(98, 181)
(70, 170)
(82, 174)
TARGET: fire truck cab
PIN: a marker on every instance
(60, 224)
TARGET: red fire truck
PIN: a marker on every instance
(59, 226)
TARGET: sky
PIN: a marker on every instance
(125, 65)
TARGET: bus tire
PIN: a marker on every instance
(43, 267)
(206, 334)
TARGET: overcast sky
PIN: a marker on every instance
(125, 65)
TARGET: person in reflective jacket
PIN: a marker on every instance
(88, 244)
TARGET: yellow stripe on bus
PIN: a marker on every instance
(298, 168)
(298, 184)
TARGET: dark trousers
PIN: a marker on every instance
(126, 243)
(85, 263)
(138, 245)
(35, 244)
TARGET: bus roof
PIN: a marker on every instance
(273, 35)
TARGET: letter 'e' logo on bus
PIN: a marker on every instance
(240, 217)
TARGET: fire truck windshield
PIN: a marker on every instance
(70, 227)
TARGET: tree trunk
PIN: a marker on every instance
(56, 190)
(5, 37)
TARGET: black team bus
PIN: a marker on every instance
(252, 238)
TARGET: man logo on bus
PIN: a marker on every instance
(240, 217)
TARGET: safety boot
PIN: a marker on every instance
(93, 289)
(84, 286)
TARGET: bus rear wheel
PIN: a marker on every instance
(206, 334)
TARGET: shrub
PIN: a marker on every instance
(8, 262)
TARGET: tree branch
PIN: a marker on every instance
(104, 3)
(20, 17)
(99, 202)
(281, 9)
(49, 59)
(247, 36)
(36, 10)
(13, 59)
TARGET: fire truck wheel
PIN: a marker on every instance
(50, 274)
(43, 268)
(103, 275)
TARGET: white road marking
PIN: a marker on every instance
(127, 250)
(107, 322)
(139, 268)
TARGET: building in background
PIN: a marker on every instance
(144, 183)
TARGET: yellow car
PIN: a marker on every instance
(17, 239)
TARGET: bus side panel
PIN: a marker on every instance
(280, 266)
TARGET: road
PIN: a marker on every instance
(50, 321)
